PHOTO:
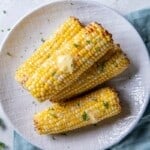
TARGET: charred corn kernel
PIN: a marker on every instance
(97, 74)
(66, 31)
(79, 112)
(50, 78)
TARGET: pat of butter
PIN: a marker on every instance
(93, 115)
(65, 63)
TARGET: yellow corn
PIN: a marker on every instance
(108, 55)
(86, 110)
(66, 31)
(97, 74)
(89, 45)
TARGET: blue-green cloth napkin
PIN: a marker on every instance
(139, 139)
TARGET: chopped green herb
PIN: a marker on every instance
(88, 41)
(42, 40)
(78, 103)
(97, 39)
(4, 11)
(8, 29)
(64, 134)
(101, 67)
(53, 137)
(9, 54)
(53, 115)
(50, 109)
(2, 30)
(72, 65)
(94, 99)
(76, 45)
(97, 48)
(41, 33)
(2, 146)
(53, 73)
(106, 104)
(34, 103)
(85, 116)
(71, 3)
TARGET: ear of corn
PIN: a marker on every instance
(109, 54)
(79, 112)
(89, 45)
(97, 74)
(66, 31)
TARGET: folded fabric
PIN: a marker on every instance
(139, 138)
(21, 144)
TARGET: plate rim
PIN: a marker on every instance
(34, 10)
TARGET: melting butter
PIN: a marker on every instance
(65, 63)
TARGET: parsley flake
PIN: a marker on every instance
(42, 40)
(8, 29)
(2, 30)
(94, 99)
(34, 103)
(53, 137)
(2, 146)
(106, 104)
(9, 54)
(97, 48)
(53, 115)
(4, 11)
(88, 42)
(101, 67)
(78, 103)
(53, 73)
(76, 45)
(85, 116)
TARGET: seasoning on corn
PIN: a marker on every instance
(67, 116)
(65, 33)
(97, 74)
(48, 79)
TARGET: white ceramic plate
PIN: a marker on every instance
(133, 85)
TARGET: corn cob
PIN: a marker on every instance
(107, 56)
(67, 30)
(79, 112)
(89, 45)
(97, 74)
